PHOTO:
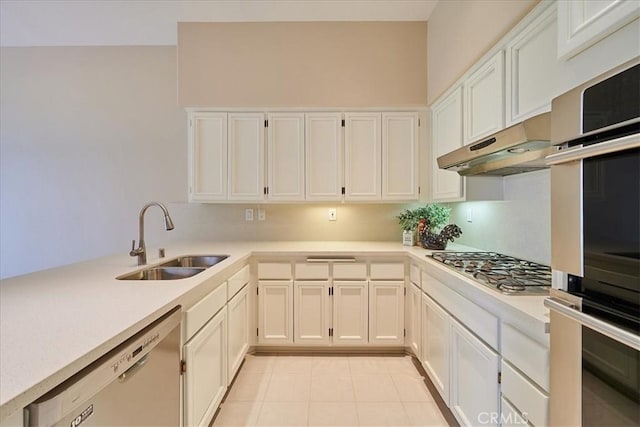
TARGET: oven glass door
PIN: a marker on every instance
(610, 287)
(610, 381)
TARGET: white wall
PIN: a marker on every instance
(520, 225)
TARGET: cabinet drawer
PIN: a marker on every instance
(415, 274)
(480, 321)
(387, 271)
(350, 271)
(237, 281)
(199, 314)
(311, 271)
(526, 354)
(274, 270)
(526, 397)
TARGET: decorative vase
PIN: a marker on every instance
(430, 240)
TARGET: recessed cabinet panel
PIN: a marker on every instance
(436, 326)
(474, 378)
(484, 100)
(275, 302)
(362, 156)
(400, 156)
(207, 157)
(350, 312)
(386, 312)
(286, 156)
(532, 69)
(205, 380)
(413, 319)
(582, 23)
(446, 125)
(246, 156)
(312, 312)
(323, 156)
(238, 322)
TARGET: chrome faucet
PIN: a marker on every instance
(141, 250)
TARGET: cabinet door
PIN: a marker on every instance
(350, 312)
(414, 315)
(207, 157)
(238, 331)
(582, 23)
(246, 156)
(386, 312)
(285, 154)
(532, 68)
(484, 100)
(446, 122)
(205, 379)
(474, 378)
(362, 156)
(312, 312)
(399, 156)
(275, 311)
(323, 151)
(436, 345)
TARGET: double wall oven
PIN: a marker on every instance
(595, 224)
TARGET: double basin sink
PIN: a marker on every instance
(176, 268)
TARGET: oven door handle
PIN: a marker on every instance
(568, 309)
(579, 152)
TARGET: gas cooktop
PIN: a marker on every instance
(503, 273)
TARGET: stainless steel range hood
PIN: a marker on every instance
(516, 149)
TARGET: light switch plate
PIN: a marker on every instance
(248, 214)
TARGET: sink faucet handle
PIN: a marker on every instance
(134, 251)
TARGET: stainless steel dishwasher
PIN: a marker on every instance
(135, 384)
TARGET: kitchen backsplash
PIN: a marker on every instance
(519, 225)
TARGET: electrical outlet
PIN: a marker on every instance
(262, 215)
(248, 214)
(333, 214)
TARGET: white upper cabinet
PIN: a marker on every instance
(207, 157)
(362, 156)
(484, 99)
(532, 68)
(285, 154)
(400, 156)
(323, 153)
(246, 156)
(446, 123)
(582, 23)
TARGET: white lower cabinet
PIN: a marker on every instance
(413, 317)
(238, 331)
(475, 368)
(205, 379)
(435, 345)
(275, 313)
(312, 312)
(350, 312)
(386, 312)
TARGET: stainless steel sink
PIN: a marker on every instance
(205, 261)
(176, 268)
(162, 273)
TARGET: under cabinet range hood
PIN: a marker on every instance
(516, 149)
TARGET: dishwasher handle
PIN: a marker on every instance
(129, 373)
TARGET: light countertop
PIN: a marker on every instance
(55, 322)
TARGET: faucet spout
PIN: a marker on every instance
(141, 250)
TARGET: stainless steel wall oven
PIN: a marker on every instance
(595, 224)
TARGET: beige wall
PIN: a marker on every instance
(88, 135)
(461, 31)
(307, 64)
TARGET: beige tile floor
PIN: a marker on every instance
(329, 391)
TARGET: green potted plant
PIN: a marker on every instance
(426, 221)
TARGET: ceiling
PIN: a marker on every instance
(153, 22)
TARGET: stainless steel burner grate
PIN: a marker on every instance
(509, 275)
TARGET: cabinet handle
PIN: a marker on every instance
(319, 259)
